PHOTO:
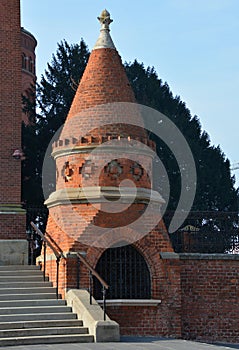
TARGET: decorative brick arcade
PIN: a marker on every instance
(13, 244)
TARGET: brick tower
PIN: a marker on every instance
(12, 218)
(28, 46)
(104, 204)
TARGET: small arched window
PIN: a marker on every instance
(31, 65)
(126, 272)
(24, 61)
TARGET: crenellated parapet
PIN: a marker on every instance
(82, 144)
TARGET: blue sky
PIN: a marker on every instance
(193, 45)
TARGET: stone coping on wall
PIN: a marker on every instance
(131, 302)
(169, 255)
(92, 316)
(198, 256)
(201, 256)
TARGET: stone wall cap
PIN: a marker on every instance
(169, 255)
(201, 256)
(131, 302)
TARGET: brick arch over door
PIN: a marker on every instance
(127, 273)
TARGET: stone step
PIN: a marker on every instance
(19, 267)
(30, 313)
(32, 332)
(23, 303)
(28, 295)
(24, 284)
(55, 339)
(21, 273)
(27, 290)
(34, 309)
(41, 324)
(38, 317)
(33, 278)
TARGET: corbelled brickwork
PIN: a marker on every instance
(11, 217)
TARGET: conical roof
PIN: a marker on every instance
(104, 79)
(104, 104)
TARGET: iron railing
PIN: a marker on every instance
(93, 272)
(58, 255)
(50, 242)
(127, 273)
(218, 230)
(205, 232)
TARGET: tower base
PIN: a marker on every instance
(13, 252)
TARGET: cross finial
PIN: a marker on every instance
(105, 19)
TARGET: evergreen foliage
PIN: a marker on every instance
(215, 188)
(54, 95)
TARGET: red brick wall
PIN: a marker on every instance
(12, 226)
(10, 114)
(210, 299)
(10, 95)
(161, 320)
(164, 319)
(146, 320)
(203, 307)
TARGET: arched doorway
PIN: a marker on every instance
(126, 272)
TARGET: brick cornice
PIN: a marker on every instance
(11, 209)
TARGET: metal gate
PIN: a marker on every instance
(126, 272)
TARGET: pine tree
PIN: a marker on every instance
(215, 206)
(54, 95)
(215, 188)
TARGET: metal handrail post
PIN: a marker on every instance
(78, 274)
(57, 254)
(90, 286)
(94, 273)
(44, 261)
(57, 275)
(31, 249)
(104, 302)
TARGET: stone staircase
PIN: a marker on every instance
(31, 314)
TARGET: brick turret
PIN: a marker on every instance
(104, 194)
(103, 116)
